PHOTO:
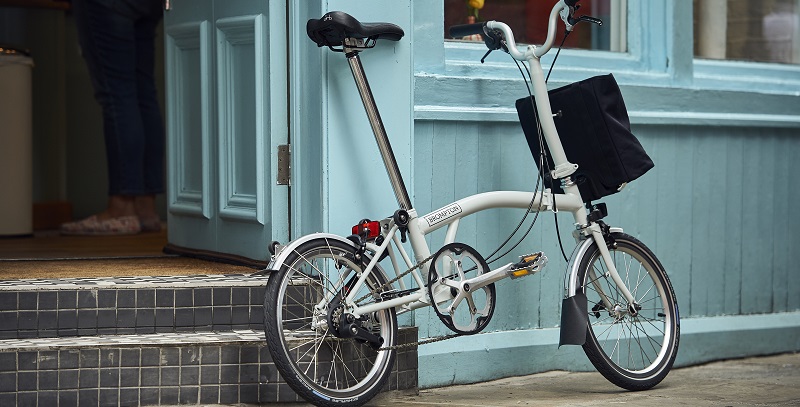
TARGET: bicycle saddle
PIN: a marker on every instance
(335, 26)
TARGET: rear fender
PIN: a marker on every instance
(277, 261)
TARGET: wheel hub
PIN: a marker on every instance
(334, 317)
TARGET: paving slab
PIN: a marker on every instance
(762, 381)
(759, 381)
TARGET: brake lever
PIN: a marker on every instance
(594, 20)
(503, 46)
(590, 19)
(494, 41)
(486, 55)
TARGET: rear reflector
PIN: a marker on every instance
(368, 230)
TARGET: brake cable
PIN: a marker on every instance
(555, 58)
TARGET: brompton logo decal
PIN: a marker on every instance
(443, 214)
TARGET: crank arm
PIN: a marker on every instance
(491, 277)
(465, 287)
(530, 264)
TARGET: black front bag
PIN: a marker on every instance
(594, 128)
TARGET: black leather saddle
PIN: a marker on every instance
(335, 26)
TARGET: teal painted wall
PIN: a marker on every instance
(717, 209)
(356, 184)
(337, 172)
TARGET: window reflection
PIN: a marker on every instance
(748, 30)
(528, 20)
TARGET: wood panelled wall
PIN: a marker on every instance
(717, 209)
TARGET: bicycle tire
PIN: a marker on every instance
(635, 352)
(324, 369)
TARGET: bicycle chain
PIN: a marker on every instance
(417, 343)
(375, 293)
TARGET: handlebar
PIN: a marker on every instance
(465, 30)
(563, 8)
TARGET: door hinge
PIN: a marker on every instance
(284, 165)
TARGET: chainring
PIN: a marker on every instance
(460, 308)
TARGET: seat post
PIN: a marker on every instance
(375, 121)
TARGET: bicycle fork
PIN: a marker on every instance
(574, 317)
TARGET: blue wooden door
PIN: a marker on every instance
(226, 118)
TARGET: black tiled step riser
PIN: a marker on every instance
(60, 313)
(146, 376)
(167, 375)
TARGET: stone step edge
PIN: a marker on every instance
(89, 283)
(242, 336)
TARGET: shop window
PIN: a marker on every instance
(528, 20)
(747, 30)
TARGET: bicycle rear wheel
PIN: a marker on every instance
(300, 317)
(634, 349)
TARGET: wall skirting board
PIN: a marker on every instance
(494, 355)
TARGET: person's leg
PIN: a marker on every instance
(108, 44)
(152, 121)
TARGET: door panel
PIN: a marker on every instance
(188, 63)
(241, 135)
(226, 118)
(191, 188)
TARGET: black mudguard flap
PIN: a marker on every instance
(574, 320)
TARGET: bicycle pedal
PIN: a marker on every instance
(528, 264)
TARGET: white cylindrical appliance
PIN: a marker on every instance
(16, 143)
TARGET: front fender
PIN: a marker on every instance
(574, 316)
(573, 308)
(571, 283)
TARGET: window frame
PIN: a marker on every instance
(734, 75)
(742, 75)
(660, 52)
(463, 58)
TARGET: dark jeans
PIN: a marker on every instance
(117, 41)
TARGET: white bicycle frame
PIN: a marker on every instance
(450, 215)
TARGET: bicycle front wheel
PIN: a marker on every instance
(301, 313)
(632, 348)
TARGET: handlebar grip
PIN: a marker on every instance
(571, 3)
(464, 30)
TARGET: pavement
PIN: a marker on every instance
(758, 381)
(761, 381)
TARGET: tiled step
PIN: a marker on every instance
(39, 308)
(145, 341)
(156, 369)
